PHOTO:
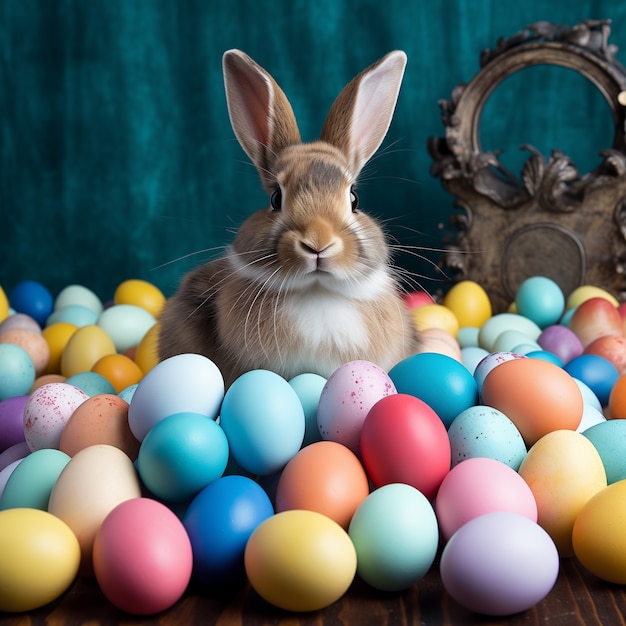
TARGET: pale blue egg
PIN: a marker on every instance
(75, 314)
(264, 421)
(309, 389)
(17, 372)
(126, 324)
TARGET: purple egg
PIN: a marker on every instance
(12, 421)
(14, 453)
(560, 341)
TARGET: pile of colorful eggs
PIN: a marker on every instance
(496, 451)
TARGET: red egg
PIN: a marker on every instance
(595, 318)
(610, 347)
(415, 299)
(403, 440)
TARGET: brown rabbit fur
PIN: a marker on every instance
(306, 285)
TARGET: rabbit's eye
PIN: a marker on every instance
(276, 200)
(354, 199)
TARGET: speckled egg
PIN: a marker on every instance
(47, 411)
(346, 399)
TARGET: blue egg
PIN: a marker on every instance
(219, 522)
(541, 300)
(482, 431)
(128, 392)
(17, 372)
(609, 439)
(182, 454)
(309, 389)
(544, 355)
(76, 314)
(264, 421)
(472, 356)
(91, 383)
(596, 372)
(444, 383)
(32, 298)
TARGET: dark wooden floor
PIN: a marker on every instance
(577, 599)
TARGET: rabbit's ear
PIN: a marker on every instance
(260, 114)
(360, 116)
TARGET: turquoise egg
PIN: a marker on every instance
(609, 439)
(541, 300)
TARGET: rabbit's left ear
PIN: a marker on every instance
(360, 116)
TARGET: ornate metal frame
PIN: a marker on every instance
(553, 221)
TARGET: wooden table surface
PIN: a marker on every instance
(577, 599)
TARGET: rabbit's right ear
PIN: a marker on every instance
(260, 114)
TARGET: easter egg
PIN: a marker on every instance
(595, 318)
(185, 382)
(586, 292)
(472, 356)
(12, 421)
(263, 420)
(300, 560)
(440, 381)
(349, 393)
(483, 431)
(609, 439)
(92, 484)
(491, 361)
(497, 324)
(469, 302)
(509, 340)
(84, 348)
(47, 412)
(403, 440)
(140, 293)
(181, 455)
(4, 305)
(74, 314)
(142, 557)
(33, 343)
(31, 482)
(40, 559)
(125, 324)
(617, 399)
(120, 370)
(326, 477)
(563, 470)
(537, 396)
(91, 383)
(101, 419)
(500, 563)
(596, 372)
(435, 316)
(560, 341)
(541, 300)
(219, 522)
(78, 295)
(20, 321)
(147, 352)
(309, 388)
(479, 486)
(610, 347)
(395, 535)
(413, 299)
(32, 298)
(56, 336)
(440, 341)
(17, 372)
(598, 536)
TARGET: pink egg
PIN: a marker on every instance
(47, 411)
(20, 320)
(595, 318)
(32, 342)
(142, 557)
(478, 486)
(348, 395)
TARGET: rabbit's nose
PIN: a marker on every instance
(317, 249)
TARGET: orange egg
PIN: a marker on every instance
(617, 399)
(119, 370)
(325, 477)
(537, 396)
(102, 419)
(57, 335)
(147, 352)
(45, 379)
(596, 317)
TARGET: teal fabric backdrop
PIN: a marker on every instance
(118, 161)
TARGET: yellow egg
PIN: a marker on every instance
(599, 538)
(435, 316)
(4, 305)
(147, 352)
(92, 484)
(84, 348)
(57, 335)
(40, 558)
(469, 302)
(585, 292)
(140, 293)
(300, 560)
(564, 471)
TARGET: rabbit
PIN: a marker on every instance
(306, 286)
